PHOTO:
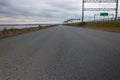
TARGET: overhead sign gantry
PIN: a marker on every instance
(100, 9)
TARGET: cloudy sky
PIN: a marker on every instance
(43, 11)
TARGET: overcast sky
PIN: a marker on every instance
(43, 11)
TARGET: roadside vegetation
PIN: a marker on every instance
(14, 31)
(111, 27)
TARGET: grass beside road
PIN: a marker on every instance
(111, 27)
(14, 31)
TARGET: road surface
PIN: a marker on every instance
(61, 53)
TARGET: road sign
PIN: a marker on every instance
(103, 14)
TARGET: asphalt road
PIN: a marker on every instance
(61, 53)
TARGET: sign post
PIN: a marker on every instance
(82, 10)
(116, 15)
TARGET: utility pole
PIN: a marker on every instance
(116, 12)
(82, 10)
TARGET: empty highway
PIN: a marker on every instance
(61, 53)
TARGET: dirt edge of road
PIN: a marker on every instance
(5, 33)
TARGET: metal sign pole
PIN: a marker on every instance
(83, 11)
(116, 13)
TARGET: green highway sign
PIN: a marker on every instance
(103, 14)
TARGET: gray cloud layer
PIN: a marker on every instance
(38, 10)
